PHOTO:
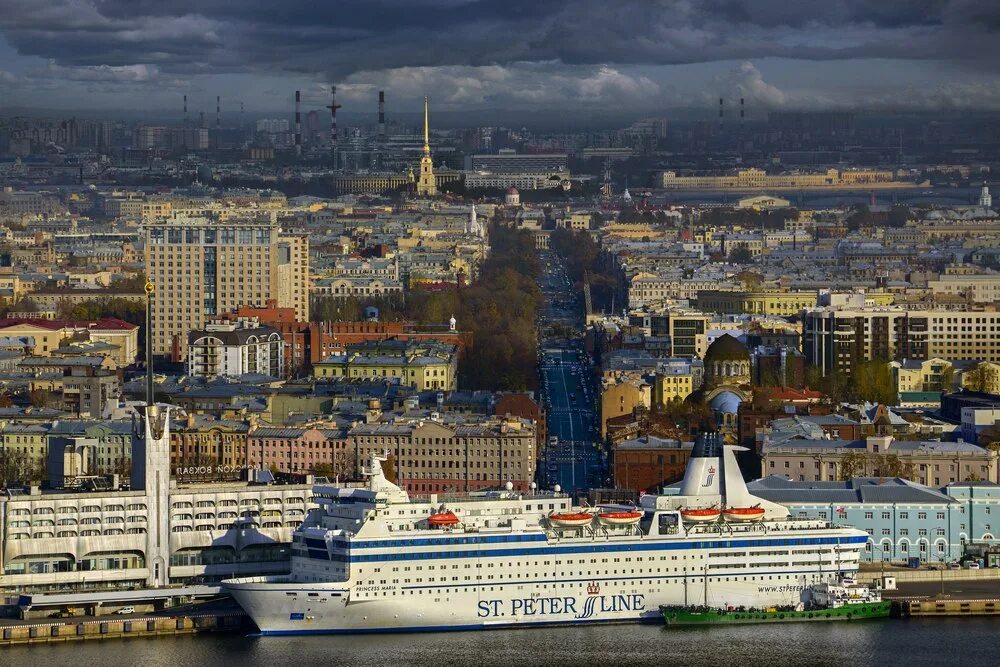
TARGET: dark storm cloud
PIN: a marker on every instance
(338, 38)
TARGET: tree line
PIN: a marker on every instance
(582, 256)
(498, 309)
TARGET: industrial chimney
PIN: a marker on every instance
(185, 110)
(218, 112)
(298, 125)
(381, 116)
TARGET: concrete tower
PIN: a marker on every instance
(151, 469)
(426, 184)
(985, 198)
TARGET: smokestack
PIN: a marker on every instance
(298, 125)
(218, 112)
(741, 109)
(185, 109)
(201, 119)
(720, 114)
(381, 115)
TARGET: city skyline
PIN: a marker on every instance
(68, 54)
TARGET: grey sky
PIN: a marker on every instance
(510, 54)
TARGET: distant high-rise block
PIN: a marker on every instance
(202, 269)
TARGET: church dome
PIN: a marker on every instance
(726, 348)
(512, 191)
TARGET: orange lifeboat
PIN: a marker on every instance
(706, 515)
(442, 519)
(743, 513)
(570, 519)
(619, 518)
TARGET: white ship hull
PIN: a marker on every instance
(368, 561)
(280, 606)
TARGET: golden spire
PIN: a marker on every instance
(427, 132)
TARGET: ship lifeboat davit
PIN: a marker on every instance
(625, 518)
(570, 519)
(743, 513)
(442, 519)
(706, 515)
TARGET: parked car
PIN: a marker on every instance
(972, 565)
(126, 610)
(954, 565)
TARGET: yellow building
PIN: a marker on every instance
(763, 203)
(758, 179)
(622, 399)
(421, 364)
(48, 335)
(770, 302)
(917, 375)
(668, 386)
(29, 441)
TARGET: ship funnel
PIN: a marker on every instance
(703, 470)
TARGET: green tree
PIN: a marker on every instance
(15, 467)
(872, 381)
(853, 464)
(976, 378)
(740, 255)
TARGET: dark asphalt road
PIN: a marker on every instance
(573, 463)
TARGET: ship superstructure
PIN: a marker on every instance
(374, 559)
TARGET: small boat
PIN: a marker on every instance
(441, 519)
(743, 513)
(619, 518)
(706, 515)
(570, 519)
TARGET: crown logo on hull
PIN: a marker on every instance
(594, 589)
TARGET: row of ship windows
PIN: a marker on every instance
(589, 573)
(318, 544)
(546, 586)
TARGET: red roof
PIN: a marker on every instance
(790, 394)
(55, 325)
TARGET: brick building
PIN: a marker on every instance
(647, 463)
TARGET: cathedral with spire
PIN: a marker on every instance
(426, 183)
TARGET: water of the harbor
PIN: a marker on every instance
(960, 641)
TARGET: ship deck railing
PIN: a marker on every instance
(481, 496)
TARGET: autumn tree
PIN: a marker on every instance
(15, 467)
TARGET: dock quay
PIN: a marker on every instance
(906, 608)
(124, 628)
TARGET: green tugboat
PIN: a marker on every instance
(830, 602)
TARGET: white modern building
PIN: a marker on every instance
(236, 348)
(156, 534)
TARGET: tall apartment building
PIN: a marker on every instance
(835, 339)
(201, 269)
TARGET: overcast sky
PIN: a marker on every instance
(504, 54)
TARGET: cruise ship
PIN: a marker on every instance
(373, 559)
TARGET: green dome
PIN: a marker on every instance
(726, 348)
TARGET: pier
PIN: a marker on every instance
(946, 607)
(123, 628)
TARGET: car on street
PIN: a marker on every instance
(125, 610)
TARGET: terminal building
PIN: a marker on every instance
(903, 519)
(158, 533)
